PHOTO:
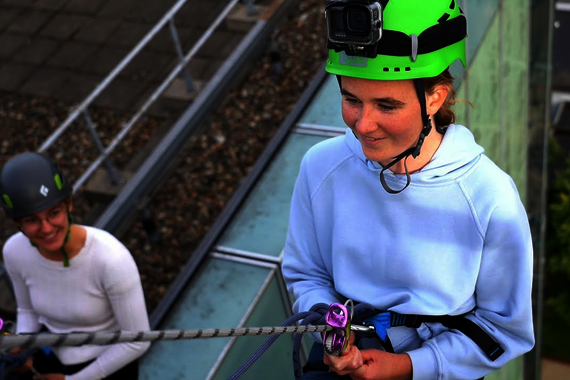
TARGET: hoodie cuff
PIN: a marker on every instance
(424, 364)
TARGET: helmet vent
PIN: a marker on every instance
(452, 5)
(397, 69)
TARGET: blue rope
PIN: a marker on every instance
(307, 317)
(315, 316)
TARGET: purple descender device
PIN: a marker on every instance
(338, 317)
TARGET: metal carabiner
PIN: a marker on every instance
(335, 341)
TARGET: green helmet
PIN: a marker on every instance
(31, 182)
(419, 39)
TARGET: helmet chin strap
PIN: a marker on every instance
(413, 151)
(67, 237)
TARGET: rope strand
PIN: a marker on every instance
(105, 338)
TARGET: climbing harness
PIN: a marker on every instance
(9, 361)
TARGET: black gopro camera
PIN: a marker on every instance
(354, 26)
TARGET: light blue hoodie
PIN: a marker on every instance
(456, 239)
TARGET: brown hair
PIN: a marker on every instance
(445, 115)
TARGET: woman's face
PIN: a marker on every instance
(384, 115)
(47, 229)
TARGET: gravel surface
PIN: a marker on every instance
(212, 164)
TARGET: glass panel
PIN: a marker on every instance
(325, 107)
(497, 86)
(261, 224)
(209, 301)
(276, 363)
(479, 16)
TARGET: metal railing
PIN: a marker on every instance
(82, 108)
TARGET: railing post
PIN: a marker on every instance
(190, 86)
(115, 180)
(251, 11)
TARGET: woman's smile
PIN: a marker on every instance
(371, 141)
(49, 239)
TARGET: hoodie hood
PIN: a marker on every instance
(456, 154)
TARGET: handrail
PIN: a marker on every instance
(83, 107)
(134, 194)
(79, 109)
(152, 98)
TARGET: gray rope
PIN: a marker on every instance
(105, 338)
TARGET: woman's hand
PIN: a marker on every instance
(51, 376)
(29, 361)
(349, 361)
(371, 364)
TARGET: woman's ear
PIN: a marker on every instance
(435, 100)
(69, 205)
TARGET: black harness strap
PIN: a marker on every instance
(458, 322)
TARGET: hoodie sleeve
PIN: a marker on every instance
(503, 296)
(304, 269)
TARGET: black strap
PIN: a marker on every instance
(403, 155)
(458, 322)
(434, 38)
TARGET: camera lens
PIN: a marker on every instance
(357, 20)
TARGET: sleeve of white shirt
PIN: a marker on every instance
(123, 287)
(27, 319)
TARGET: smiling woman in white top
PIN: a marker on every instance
(68, 277)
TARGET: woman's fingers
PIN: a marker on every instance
(349, 361)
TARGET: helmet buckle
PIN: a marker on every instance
(414, 47)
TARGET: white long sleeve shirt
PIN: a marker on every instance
(100, 291)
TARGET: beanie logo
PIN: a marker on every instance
(44, 191)
(353, 60)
